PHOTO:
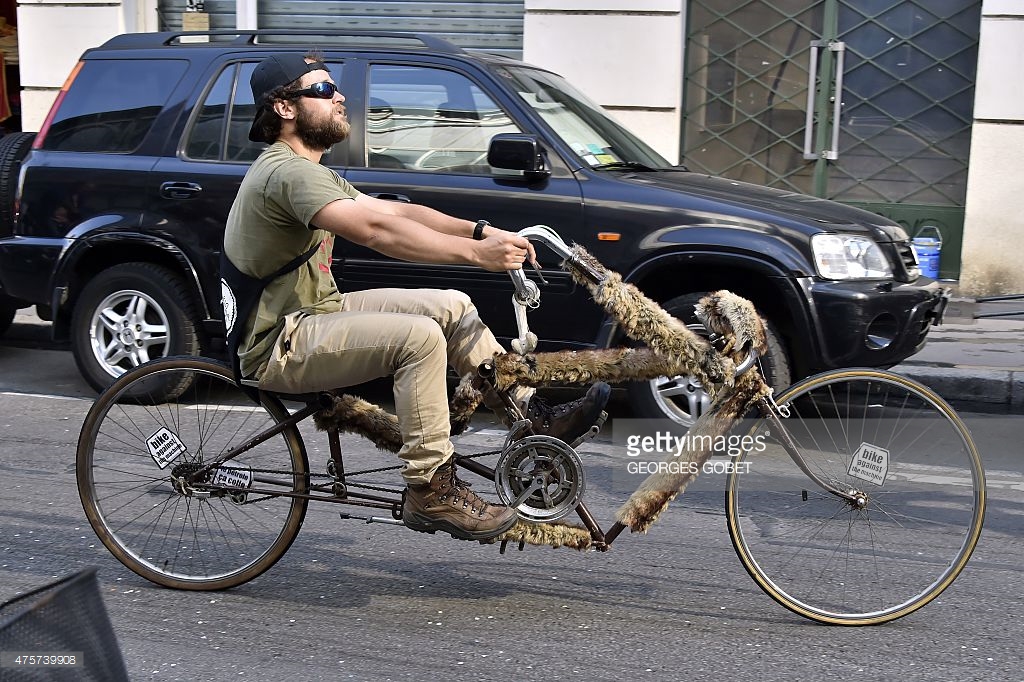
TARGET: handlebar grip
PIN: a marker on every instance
(747, 363)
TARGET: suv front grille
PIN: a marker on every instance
(908, 262)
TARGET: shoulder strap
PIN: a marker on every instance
(240, 295)
(291, 265)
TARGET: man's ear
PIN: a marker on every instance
(284, 108)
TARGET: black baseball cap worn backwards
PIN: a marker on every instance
(274, 72)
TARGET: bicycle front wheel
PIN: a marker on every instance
(913, 512)
(137, 449)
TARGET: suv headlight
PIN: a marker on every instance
(849, 256)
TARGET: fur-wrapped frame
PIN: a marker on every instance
(671, 348)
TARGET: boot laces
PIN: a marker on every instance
(541, 408)
(459, 490)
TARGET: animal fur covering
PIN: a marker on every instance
(555, 534)
(671, 349)
(653, 496)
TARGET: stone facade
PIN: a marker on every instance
(994, 222)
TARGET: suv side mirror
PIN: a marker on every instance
(518, 151)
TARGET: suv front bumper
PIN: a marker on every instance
(872, 324)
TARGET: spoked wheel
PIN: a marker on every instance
(916, 507)
(136, 453)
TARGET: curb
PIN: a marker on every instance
(973, 389)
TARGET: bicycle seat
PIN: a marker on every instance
(308, 398)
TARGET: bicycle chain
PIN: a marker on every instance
(363, 472)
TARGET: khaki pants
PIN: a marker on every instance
(412, 334)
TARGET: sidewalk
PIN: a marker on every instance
(977, 366)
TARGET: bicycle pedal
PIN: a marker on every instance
(371, 519)
(504, 544)
(594, 429)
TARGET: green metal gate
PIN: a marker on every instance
(868, 102)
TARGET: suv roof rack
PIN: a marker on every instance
(253, 37)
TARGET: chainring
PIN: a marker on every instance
(541, 477)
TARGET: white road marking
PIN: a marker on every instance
(44, 395)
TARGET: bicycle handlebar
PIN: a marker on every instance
(747, 363)
(527, 292)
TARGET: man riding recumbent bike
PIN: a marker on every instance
(862, 501)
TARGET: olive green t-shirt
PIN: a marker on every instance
(269, 225)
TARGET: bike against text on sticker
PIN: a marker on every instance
(164, 447)
(870, 463)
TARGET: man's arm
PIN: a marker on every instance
(435, 220)
(398, 236)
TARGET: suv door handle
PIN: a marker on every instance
(390, 196)
(179, 190)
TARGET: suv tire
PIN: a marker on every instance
(13, 149)
(8, 308)
(654, 399)
(129, 314)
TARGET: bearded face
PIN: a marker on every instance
(318, 127)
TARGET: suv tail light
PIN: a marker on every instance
(41, 135)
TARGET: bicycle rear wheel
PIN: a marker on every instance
(134, 452)
(921, 499)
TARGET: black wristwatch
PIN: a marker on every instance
(478, 231)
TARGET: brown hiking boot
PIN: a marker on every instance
(447, 504)
(569, 421)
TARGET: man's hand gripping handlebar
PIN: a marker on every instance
(527, 293)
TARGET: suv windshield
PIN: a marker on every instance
(598, 140)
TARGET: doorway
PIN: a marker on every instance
(867, 102)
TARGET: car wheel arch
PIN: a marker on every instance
(771, 289)
(92, 255)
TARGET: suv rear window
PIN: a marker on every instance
(113, 105)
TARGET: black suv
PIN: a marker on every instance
(114, 228)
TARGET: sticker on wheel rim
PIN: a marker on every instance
(233, 475)
(164, 447)
(870, 463)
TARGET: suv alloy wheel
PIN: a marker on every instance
(130, 314)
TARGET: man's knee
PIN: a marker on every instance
(425, 338)
(455, 303)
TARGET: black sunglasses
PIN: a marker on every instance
(321, 90)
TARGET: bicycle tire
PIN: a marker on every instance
(839, 562)
(179, 540)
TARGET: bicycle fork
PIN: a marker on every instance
(773, 414)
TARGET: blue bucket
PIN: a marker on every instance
(927, 245)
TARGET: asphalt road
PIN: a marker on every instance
(369, 602)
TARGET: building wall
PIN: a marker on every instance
(994, 217)
(52, 34)
(626, 55)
